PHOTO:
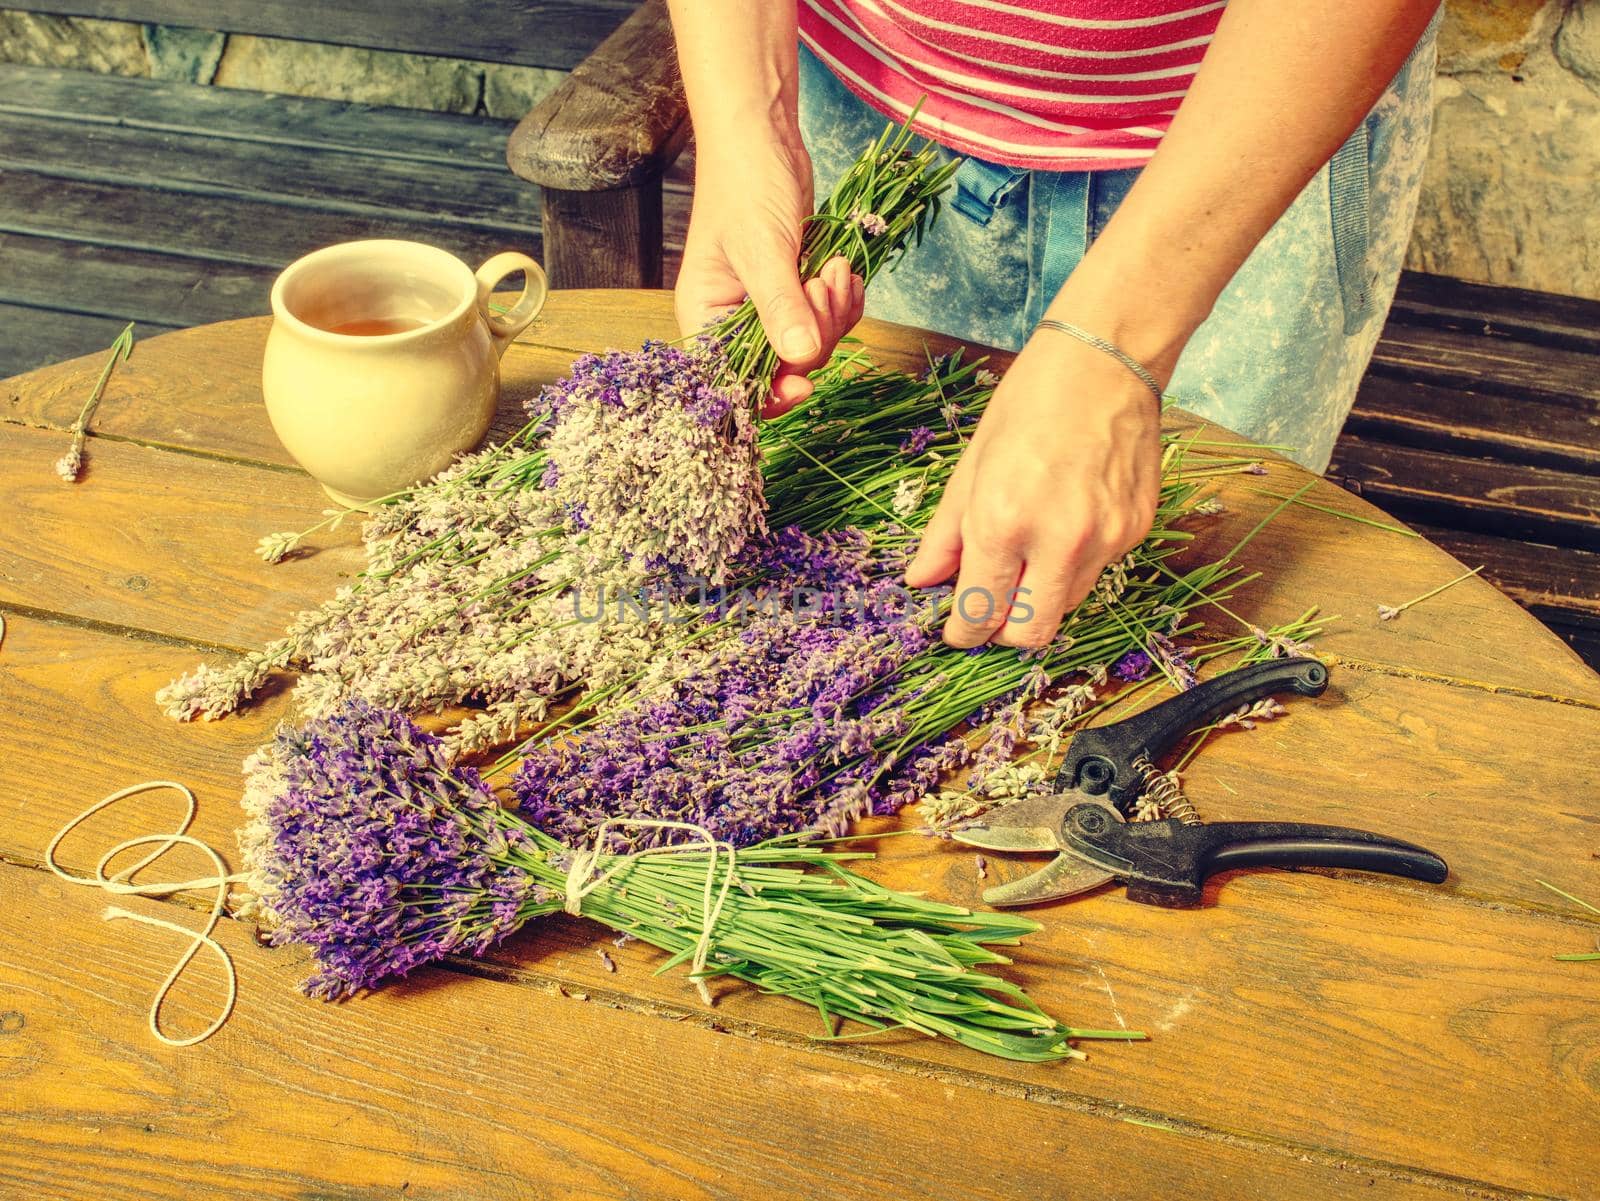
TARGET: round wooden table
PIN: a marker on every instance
(1311, 1035)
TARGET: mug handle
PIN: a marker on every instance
(504, 327)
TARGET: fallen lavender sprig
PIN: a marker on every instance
(367, 846)
(1390, 612)
(70, 465)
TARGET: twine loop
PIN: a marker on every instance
(582, 880)
(121, 883)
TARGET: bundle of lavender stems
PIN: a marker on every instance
(678, 625)
(365, 843)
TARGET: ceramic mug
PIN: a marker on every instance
(383, 362)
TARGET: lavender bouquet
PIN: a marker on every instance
(366, 845)
(639, 463)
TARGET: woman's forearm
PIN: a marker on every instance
(740, 71)
(1281, 87)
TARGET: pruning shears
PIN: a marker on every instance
(1167, 861)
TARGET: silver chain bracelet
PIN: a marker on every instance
(1100, 344)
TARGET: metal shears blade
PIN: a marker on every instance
(1034, 824)
(1031, 824)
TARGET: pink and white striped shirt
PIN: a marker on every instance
(1054, 84)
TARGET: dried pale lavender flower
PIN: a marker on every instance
(1053, 720)
(1113, 581)
(943, 811)
(1281, 645)
(1246, 716)
(211, 692)
(653, 455)
(1014, 780)
(70, 465)
(273, 547)
(908, 495)
(870, 223)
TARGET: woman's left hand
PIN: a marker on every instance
(1061, 477)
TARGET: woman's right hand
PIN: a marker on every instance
(750, 203)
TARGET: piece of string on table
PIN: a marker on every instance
(121, 883)
(581, 878)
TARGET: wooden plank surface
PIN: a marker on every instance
(35, 335)
(468, 143)
(309, 177)
(222, 229)
(1287, 978)
(132, 285)
(296, 1099)
(537, 33)
(1506, 499)
(1423, 1039)
(1507, 368)
(1493, 311)
(1458, 422)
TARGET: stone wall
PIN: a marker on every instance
(1512, 194)
(275, 65)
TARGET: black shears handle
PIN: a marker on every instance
(1167, 863)
(1101, 760)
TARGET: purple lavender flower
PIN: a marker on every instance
(1173, 660)
(365, 845)
(836, 559)
(788, 727)
(1007, 728)
(1135, 665)
(917, 442)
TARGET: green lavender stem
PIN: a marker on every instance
(882, 205)
(853, 949)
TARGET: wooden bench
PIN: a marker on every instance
(175, 205)
(1479, 423)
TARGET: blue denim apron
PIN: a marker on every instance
(1282, 353)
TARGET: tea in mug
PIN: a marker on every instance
(377, 327)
